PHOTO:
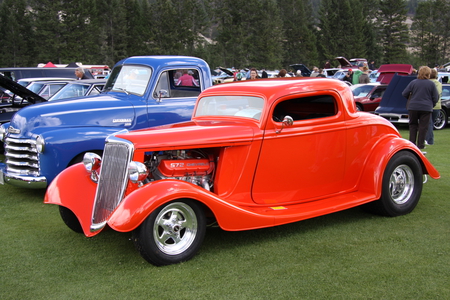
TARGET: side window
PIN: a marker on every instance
(306, 108)
(178, 83)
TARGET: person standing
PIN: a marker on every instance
(364, 78)
(422, 96)
(79, 72)
(253, 74)
(321, 74)
(349, 76)
(429, 139)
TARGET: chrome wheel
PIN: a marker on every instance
(441, 120)
(175, 228)
(401, 184)
(172, 233)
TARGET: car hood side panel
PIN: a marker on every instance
(102, 110)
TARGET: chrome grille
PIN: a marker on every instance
(21, 156)
(112, 180)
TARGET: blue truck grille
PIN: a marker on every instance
(112, 181)
(21, 156)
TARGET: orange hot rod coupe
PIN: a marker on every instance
(256, 154)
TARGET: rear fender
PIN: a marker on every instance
(372, 176)
(139, 204)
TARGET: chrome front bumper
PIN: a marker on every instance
(22, 181)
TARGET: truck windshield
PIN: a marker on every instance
(239, 106)
(129, 79)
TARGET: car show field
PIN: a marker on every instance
(349, 254)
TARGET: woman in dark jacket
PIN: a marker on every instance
(422, 95)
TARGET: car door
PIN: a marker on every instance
(305, 161)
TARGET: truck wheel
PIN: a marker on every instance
(172, 233)
(401, 187)
(70, 219)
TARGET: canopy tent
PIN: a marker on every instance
(49, 65)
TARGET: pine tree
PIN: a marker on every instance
(16, 48)
(342, 25)
(391, 23)
(431, 32)
(300, 34)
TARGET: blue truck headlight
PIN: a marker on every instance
(40, 144)
(137, 171)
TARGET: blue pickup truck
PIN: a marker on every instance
(142, 91)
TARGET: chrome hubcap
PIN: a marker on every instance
(175, 228)
(401, 184)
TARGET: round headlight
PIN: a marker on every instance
(40, 144)
(137, 171)
(91, 161)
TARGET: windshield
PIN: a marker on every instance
(71, 90)
(240, 106)
(129, 79)
(361, 91)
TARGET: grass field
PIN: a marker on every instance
(346, 255)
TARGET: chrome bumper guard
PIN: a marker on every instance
(22, 181)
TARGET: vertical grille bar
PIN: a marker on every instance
(112, 180)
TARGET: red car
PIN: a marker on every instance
(257, 153)
(368, 95)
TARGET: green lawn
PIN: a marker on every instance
(346, 255)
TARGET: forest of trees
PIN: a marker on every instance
(269, 34)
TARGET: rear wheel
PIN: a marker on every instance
(441, 120)
(172, 233)
(401, 187)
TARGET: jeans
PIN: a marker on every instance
(418, 123)
(430, 135)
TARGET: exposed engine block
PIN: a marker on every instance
(193, 166)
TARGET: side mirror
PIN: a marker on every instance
(287, 122)
(162, 94)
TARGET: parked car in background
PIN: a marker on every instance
(368, 96)
(353, 63)
(46, 89)
(141, 91)
(393, 105)
(304, 69)
(78, 88)
(18, 73)
(442, 119)
(15, 98)
(387, 71)
(329, 73)
(166, 184)
(340, 74)
(26, 81)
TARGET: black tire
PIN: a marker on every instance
(171, 234)
(359, 107)
(70, 219)
(401, 187)
(441, 120)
